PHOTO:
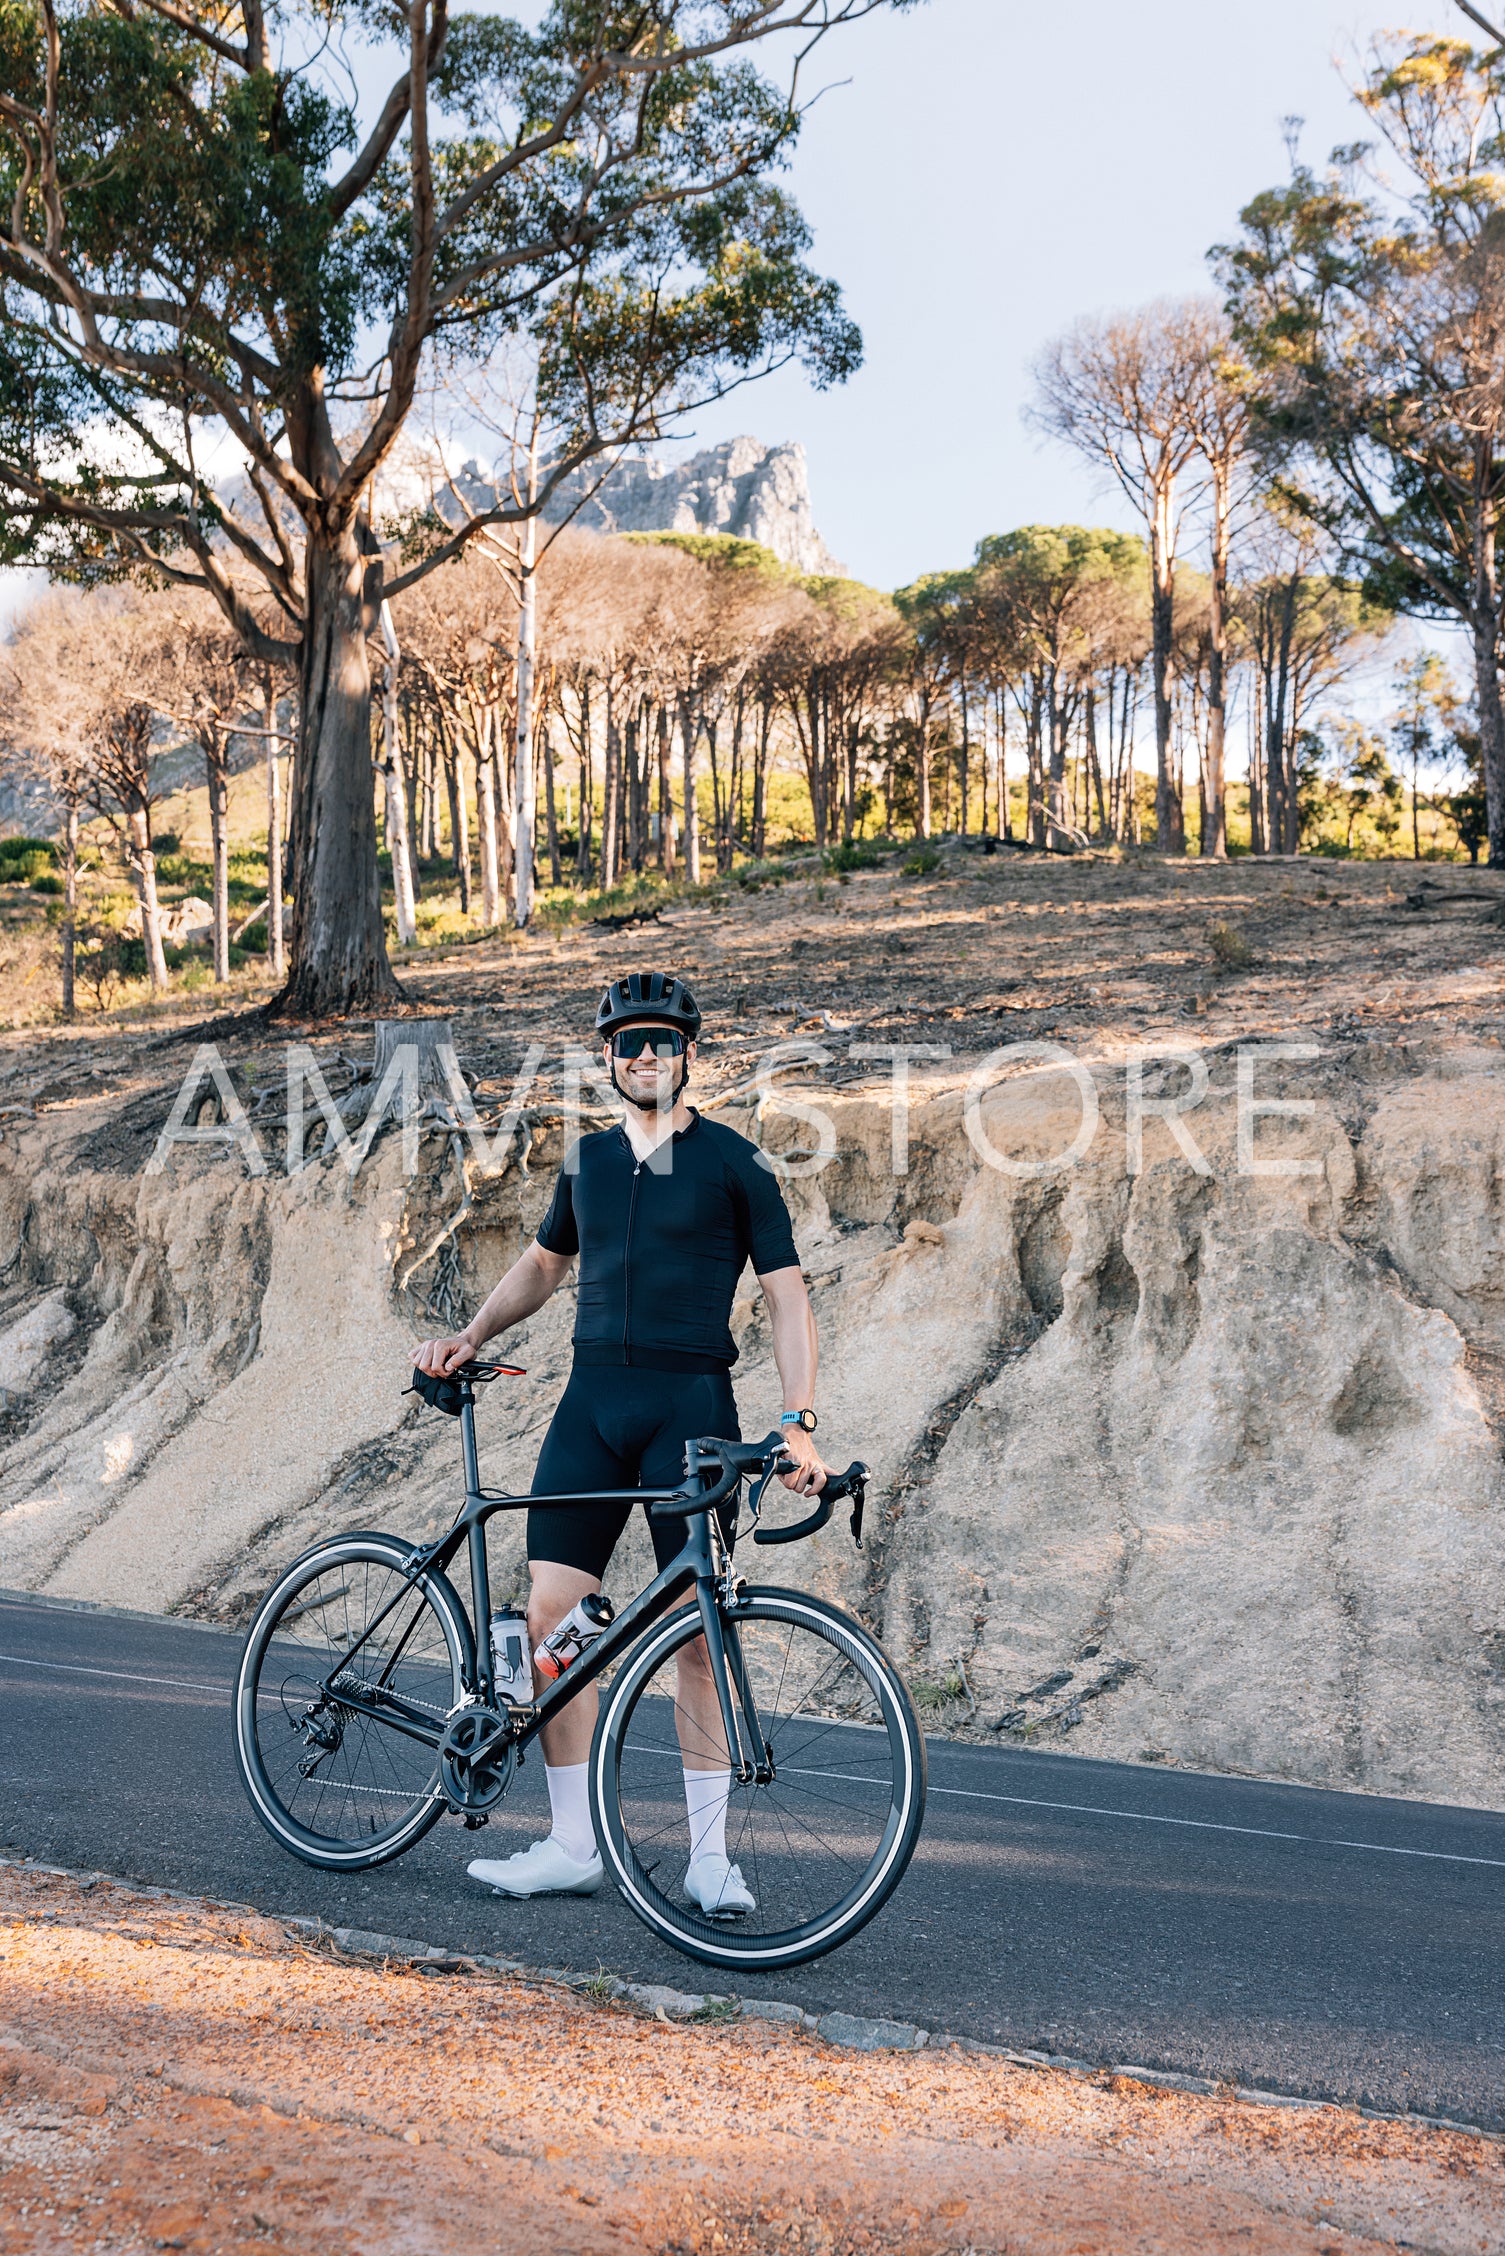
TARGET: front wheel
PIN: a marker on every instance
(822, 1835)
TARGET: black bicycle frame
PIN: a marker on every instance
(702, 1562)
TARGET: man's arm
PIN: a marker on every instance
(534, 1275)
(796, 1351)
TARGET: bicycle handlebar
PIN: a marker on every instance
(739, 1458)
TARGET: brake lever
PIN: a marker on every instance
(755, 1494)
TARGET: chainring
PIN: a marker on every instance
(476, 1760)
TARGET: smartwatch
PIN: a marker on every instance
(805, 1418)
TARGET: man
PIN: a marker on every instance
(663, 1212)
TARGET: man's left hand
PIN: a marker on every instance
(810, 1470)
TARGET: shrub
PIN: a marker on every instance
(166, 842)
(1229, 946)
(922, 863)
(854, 856)
(23, 861)
(48, 882)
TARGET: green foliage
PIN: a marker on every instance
(643, 246)
(722, 551)
(923, 863)
(853, 856)
(1231, 950)
(21, 859)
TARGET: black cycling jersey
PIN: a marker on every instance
(662, 1242)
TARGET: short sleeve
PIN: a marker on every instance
(770, 1233)
(559, 1232)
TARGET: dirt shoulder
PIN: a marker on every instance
(179, 2075)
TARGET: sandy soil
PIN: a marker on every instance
(1090, 950)
(179, 2075)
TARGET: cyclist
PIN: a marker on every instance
(663, 1213)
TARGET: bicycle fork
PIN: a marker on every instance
(724, 1646)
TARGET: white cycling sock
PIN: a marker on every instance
(706, 1795)
(570, 1802)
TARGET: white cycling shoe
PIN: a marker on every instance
(545, 1869)
(718, 1887)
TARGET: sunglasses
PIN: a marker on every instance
(631, 1041)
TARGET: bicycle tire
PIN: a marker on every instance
(637, 1795)
(343, 1821)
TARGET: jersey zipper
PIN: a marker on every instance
(632, 1207)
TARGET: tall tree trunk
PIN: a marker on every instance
(922, 774)
(550, 813)
(1214, 769)
(1170, 827)
(632, 787)
(1056, 721)
(484, 718)
(587, 795)
(276, 961)
(760, 781)
(665, 793)
(1094, 762)
(399, 845)
(527, 637)
(1035, 817)
(1485, 623)
(611, 794)
(70, 906)
(689, 730)
(734, 822)
(217, 776)
(339, 948)
(1279, 782)
(718, 806)
(966, 763)
(144, 870)
(459, 811)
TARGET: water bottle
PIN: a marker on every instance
(509, 1655)
(581, 1626)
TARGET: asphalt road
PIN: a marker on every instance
(1332, 1945)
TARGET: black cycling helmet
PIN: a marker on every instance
(648, 995)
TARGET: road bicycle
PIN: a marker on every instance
(367, 1706)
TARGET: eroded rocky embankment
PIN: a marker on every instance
(1226, 1449)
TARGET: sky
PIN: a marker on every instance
(988, 173)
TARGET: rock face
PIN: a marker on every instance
(757, 492)
(1170, 1465)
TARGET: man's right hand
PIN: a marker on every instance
(439, 1357)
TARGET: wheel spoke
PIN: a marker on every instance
(817, 1843)
(367, 1786)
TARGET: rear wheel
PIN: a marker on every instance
(349, 1672)
(822, 1839)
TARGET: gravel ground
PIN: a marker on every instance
(175, 2074)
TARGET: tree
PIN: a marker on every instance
(1424, 731)
(183, 258)
(1053, 596)
(1219, 416)
(1375, 324)
(1304, 627)
(1126, 392)
(46, 715)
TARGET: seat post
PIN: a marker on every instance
(468, 1439)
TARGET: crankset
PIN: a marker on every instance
(476, 1761)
